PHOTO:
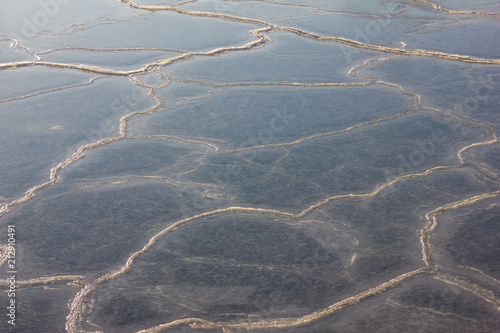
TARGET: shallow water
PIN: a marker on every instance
(250, 166)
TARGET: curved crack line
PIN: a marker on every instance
(325, 10)
(77, 308)
(92, 80)
(125, 179)
(354, 71)
(136, 5)
(430, 269)
(148, 68)
(83, 292)
(126, 49)
(426, 232)
(81, 152)
(197, 323)
(281, 83)
(463, 283)
(26, 50)
(476, 270)
(320, 135)
(434, 24)
(464, 120)
(430, 311)
(386, 49)
(455, 11)
(342, 40)
(262, 39)
(454, 117)
(177, 139)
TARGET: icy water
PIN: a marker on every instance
(249, 166)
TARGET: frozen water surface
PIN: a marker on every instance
(250, 166)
